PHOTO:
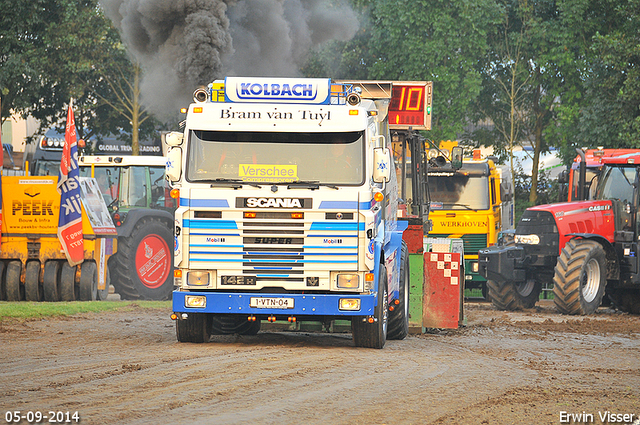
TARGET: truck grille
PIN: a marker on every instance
(472, 242)
(275, 250)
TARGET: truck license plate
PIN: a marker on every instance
(271, 302)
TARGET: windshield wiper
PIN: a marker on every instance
(309, 184)
(461, 205)
(225, 180)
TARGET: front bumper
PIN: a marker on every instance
(502, 264)
(303, 304)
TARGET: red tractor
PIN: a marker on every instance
(585, 248)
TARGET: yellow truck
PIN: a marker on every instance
(33, 266)
(473, 203)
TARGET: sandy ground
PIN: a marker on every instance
(532, 367)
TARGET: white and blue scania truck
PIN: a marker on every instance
(287, 210)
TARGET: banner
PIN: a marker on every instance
(70, 222)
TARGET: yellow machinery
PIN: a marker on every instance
(33, 266)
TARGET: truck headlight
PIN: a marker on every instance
(348, 281)
(195, 301)
(349, 304)
(474, 267)
(527, 239)
(198, 278)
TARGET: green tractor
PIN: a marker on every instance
(136, 193)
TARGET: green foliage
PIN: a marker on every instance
(611, 116)
(55, 50)
(437, 41)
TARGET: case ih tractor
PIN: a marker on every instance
(585, 247)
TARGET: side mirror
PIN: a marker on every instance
(173, 138)
(174, 164)
(456, 158)
(563, 177)
(381, 165)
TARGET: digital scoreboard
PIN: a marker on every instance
(410, 105)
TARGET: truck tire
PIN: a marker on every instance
(32, 291)
(88, 287)
(580, 277)
(143, 264)
(195, 328)
(626, 300)
(226, 324)
(51, 280)
(67, 290)
(514, 296)
(399, 317)
(373, 335)
(14, 289)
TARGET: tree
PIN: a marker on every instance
(611, 116)
(55, 50)
(439, 41)
(550, 41)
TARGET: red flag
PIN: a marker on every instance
(70, 222)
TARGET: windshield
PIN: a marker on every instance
(616, 183)
(108, 180)
(260, 157)
(459, 192)
(45, 167)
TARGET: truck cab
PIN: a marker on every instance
(473, 203)
(287, 210)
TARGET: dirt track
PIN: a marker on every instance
(501, 368)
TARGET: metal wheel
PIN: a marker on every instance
(51, 280)
(67, 290)
(32, 290)
(14, 289)
(88, 287)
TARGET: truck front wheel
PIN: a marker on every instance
(399, 317)
(580, 277)
(195, 328)
(514, 296)
(373, 335)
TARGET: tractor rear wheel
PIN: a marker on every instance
(143, 265)
(195, 328)
(580, 277)
(399, 317)
(514, 296)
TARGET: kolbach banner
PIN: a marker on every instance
(70, 223)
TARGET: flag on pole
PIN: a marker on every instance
(1, 171)
(70, 222)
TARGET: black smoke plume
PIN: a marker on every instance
(183, 44)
